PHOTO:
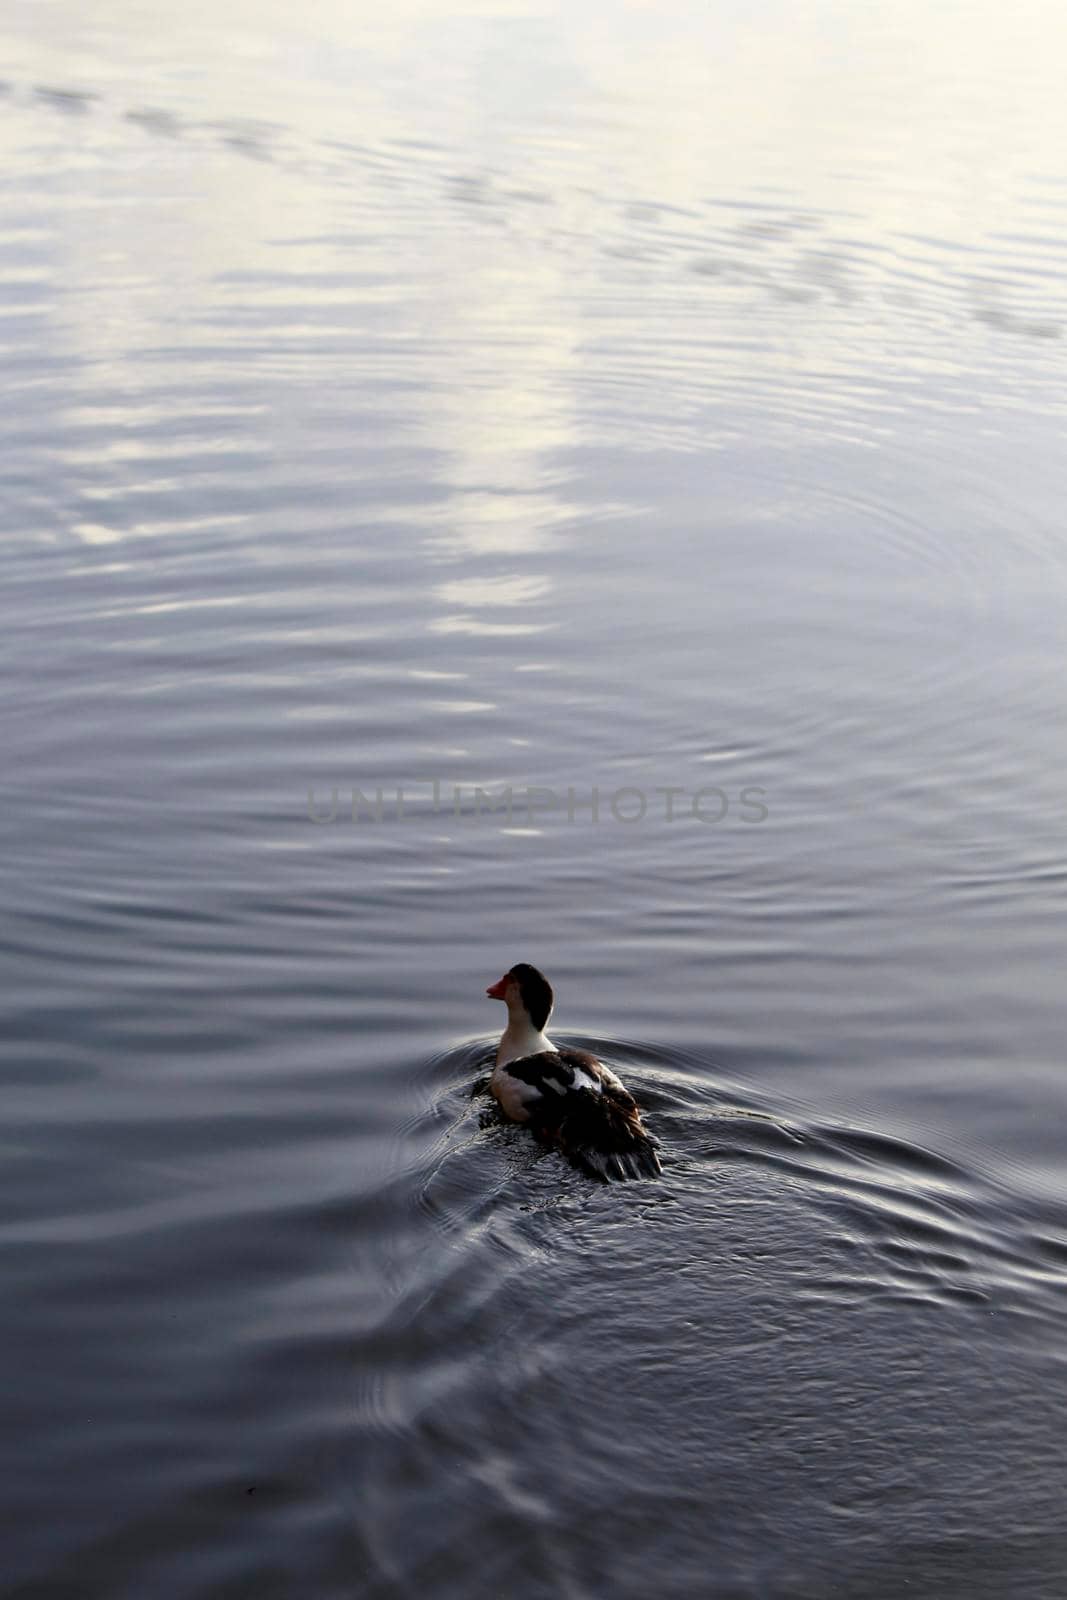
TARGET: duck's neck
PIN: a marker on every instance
(521, 1038)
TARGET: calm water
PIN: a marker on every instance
(625, 398)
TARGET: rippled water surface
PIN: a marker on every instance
(659, 412)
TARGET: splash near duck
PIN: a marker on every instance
(569, 1099)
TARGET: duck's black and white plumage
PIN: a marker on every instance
(568, 1097)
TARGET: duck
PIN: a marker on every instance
(568, 1098)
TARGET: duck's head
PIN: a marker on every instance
(524, 989)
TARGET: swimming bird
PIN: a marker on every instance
(569, 1098)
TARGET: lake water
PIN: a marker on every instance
(657, 412)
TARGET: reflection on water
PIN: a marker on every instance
(643, 400)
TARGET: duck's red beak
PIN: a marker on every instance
(496, 990)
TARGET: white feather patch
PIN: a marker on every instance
(586, 1080)
(515, 1096)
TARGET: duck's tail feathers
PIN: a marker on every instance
(602, 1134)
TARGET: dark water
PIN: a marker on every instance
(631, 399)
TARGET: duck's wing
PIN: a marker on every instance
(583, 1062)
(554, 1074)
(578, 1104)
